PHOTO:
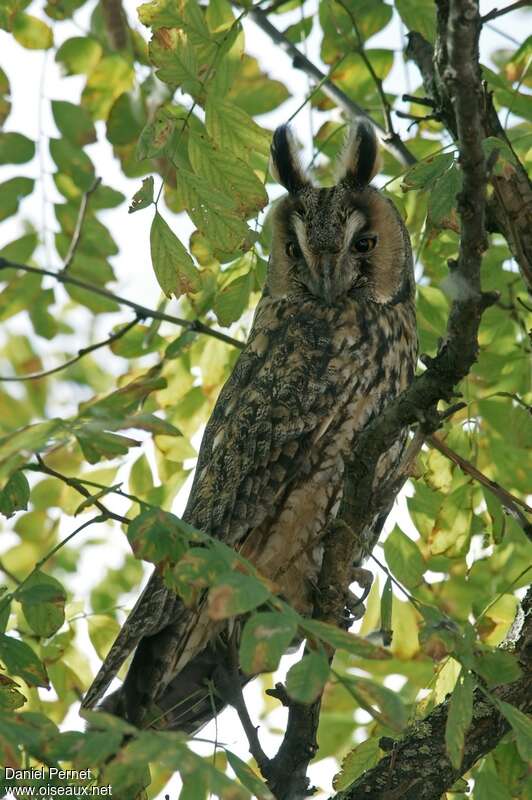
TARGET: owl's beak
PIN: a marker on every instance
(327, 280)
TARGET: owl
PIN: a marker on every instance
(332, 342)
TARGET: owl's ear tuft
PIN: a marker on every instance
(360, 160)
(285, 164)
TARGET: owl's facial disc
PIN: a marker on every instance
(330, 250)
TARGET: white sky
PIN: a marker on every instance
(35, 79)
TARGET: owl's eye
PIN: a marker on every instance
(293, 250)
(364, 244)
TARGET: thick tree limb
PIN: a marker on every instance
(142, 311)
(393, 144)
(419, 767)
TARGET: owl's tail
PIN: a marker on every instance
(188, 701)
(154, 610)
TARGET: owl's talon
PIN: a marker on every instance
(364, 578)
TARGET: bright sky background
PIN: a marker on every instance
(36, 79)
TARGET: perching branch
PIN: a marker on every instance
(395, 146)
(507, 500)
(418, 768)
(33, 376)
(76, 236)
(142, 311)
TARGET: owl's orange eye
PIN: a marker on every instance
(365, 244)
(293, 250)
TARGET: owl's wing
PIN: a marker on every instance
(279, 397)
(268, 416)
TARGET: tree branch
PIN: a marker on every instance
(81, 353)
(391, 134)
(142, 311)
(508, 500)
(115, 23)
(498, 12)
(74, 483)
(394, 145)
(76, 236)
(419, 767)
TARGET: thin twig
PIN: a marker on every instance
(76, 236)
(398, 149)
(498, 12)
(33, 376)
(391, 133)
(78, 486)
(508, 500)
(142, 311)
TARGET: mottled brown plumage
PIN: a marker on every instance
(332, 342)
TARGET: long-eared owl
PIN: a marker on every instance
(333, 341)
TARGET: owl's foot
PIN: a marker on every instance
(354, 606)
(364, 578)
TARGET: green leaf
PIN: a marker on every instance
(157, 536)
(248, 778)
(78, 55)
(172, 52)
(11, 193)
(424, 174)
(496, 666)
(391, 709)
(521, 726)
(112, 76)
(103, 631)
(363, 757)
(404, 558)
(143, 197)
(459, 717)
(15, 148)
(233, 130)
(442, 200)
(231, 302)
(306, 679)
(228, 174)
(173, 266)
(20, 660)
(418, 15)
(15, 494)
(342, 640)
(31, 32)
(265, 638)
(10, 697)
(73, 122)
(236, 593)
(43, 603)
(126, 120)
(20, 250)
(72, 160)
(386, 612)
(97, 444)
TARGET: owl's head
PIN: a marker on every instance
(344, 241)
